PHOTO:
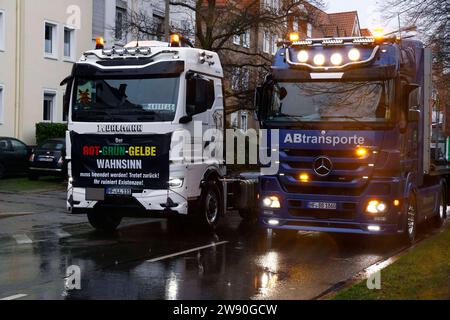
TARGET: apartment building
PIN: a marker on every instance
(110, 20)
(39, 43)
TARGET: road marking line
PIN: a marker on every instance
(14, 297)
(63, 234)
(22, 239)
(188, 251)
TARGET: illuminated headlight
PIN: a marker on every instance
(319, 59)
(374, 228)
(336, 59)
(376, 206)
(273, 222)
(354, 55)
(176, 183)
(303, 56)
(271, 202)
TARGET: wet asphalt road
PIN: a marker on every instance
(159, 259)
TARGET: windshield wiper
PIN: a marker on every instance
(289, 116)
(342, 117)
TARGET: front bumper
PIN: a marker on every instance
(348, 217)
(147, 201)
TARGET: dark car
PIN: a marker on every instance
(14, 156)
(48, 159)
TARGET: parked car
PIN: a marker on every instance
(14, 156)
(48, 159)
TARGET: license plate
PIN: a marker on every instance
(45, 159)
(118, 192)
(322, 205)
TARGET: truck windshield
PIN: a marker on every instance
(125, 100)
(332, 101)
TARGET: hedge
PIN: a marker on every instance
(45, 131)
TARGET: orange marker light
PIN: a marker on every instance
(304, 177)
(361, 152)
(99, 43)
(294, 36)
(175, 40)
(396, 203)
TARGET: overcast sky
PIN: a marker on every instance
(368, 11)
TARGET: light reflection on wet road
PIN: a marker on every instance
(245, 263)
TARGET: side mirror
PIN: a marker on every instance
(186, 119)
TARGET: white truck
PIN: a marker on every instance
(145, 136)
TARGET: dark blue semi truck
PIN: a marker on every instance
(354, 121)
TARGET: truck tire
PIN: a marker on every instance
(439, 219)
(210, 207)
(410, 232)
(103, 221)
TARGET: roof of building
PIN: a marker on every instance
(345, 21)
(366, 33)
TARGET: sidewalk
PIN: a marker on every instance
(422, 273)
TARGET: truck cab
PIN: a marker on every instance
(135, 141)
(353, 116)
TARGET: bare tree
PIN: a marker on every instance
(432, 18)
(216, 24)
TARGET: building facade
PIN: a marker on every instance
(39, 43)
(111, 20)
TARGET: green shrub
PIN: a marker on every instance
(45, 131)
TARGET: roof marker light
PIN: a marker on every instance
(336, 59)
(99, 43)
(175, 40)
(303, 56)
(319, 59)
(294, 36)
(354, 54)
(378, 33)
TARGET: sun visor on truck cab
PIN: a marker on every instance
(164, 68)
(357, 74)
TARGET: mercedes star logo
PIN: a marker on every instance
(323, 166)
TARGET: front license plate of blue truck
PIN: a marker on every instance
(322, 205)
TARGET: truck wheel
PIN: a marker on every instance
(411, 220)
(210, 206)
(439, 219)
(103, 221)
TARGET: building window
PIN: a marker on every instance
(1, 104)
(237, 39)
(274, 44)
(2, 30)
(240, 79)
(246, 39)
(244, 122)
(159, 25)
(49, 106)
(69, 42)
(295, 24)
(120, 23)
(50, 39)
(309, 30)
(266, 42)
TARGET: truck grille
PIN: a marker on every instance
(349, 175)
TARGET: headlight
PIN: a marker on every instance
(376, 206)
(176, 183)
(272, 202)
